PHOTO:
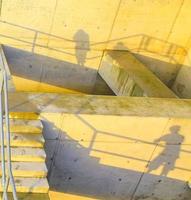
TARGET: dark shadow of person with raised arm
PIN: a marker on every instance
(81, 38)
(170, 153)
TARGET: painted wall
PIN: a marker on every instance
(77, 32)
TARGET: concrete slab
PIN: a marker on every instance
(103, 105)
(127, 76)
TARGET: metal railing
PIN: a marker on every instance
(7, 179)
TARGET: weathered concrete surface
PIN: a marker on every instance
(36, 73)
(123, 73)
(102, 105)
(113, 147)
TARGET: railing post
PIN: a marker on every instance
(7, 176)
(10, 175)
(3, 181)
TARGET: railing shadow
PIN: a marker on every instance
(77, 49)
(54, 72)
(109, 166)
(74, 170)
(81, 41)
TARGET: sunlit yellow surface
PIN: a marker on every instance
(23, 115)
(25, 129)
(28, 174)
(74, 29)
(129, 142)
(59, 195)
(35, 86)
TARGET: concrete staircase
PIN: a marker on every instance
(28, 155)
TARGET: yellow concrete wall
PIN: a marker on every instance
(79, 31)
(131, 143)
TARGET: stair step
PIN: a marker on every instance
(30, 185)
(27, 140)
(23, 115)
(29, 196)
(28, 154)
(28, 169)
(25, 126)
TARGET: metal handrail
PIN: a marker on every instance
(7, 175)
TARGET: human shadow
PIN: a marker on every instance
(170, 153)
(73, 170)
(82, 46)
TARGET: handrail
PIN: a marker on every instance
(7, 175)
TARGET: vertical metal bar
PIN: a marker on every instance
(8, 137)
(2, 148)
(34, 41)
(6, 188)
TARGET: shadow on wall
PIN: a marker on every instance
(81, 38)
(168, 163)
(165, 58)
(141, 43)
(73, 170)
(79, 78)
(63, 74)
